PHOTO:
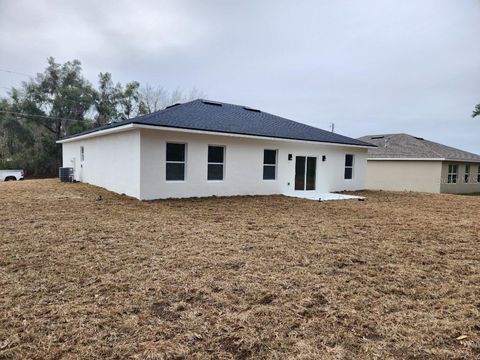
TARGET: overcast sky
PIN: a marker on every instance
(382, 66)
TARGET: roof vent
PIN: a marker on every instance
(251, 109)
(377, 137)
(208, 102)
(170, 106)
(418, 138)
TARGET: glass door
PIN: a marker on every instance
(300, 172)
(305, 172)
(311, 173)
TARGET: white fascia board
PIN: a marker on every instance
(113, 130)
(133, 126)
(406, 159)
(164, 128)
(463, 161)
(425, 159)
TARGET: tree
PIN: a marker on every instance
(60, 101)
(43, 110)
(476, 112)
(15, 135)
(153, 99)
(114, 102)
(106, 99)
(60, 94)
(24, 144)
(129, 100)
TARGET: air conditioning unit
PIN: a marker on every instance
(65, 174)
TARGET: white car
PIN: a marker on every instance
(8, 175)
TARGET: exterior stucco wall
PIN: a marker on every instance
(243, 166)
(111, 161)
(398, 175)
(473, 186)
(133, 163)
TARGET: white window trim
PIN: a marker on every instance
(271, 165)
(176, 162)
(451, 174)
(218, 163)
(82, 154)
(349, 167)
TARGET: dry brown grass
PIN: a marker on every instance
(397, 276)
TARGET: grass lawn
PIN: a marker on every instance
(394, 277)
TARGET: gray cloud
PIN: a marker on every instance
(370, 66)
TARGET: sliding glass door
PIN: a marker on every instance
(305, 172)
(311, 173)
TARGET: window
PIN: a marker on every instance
(478, 174)
(175, 164)
(82, 153)
(216, 162)
(466, 178)
(269, 164)
(452, 174)
(348, 167)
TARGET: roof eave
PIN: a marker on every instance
(405, 159)
(134, 125)
(102, 132)
(422, 159)
(464, 160)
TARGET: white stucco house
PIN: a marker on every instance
(204, 148)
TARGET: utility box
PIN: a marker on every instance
(65, 174)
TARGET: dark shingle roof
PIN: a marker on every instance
(213, 116)
(404, 146)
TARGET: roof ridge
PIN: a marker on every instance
(406, 146)
(267, 113)
(235, 119)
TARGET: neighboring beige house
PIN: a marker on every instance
(403, 162)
